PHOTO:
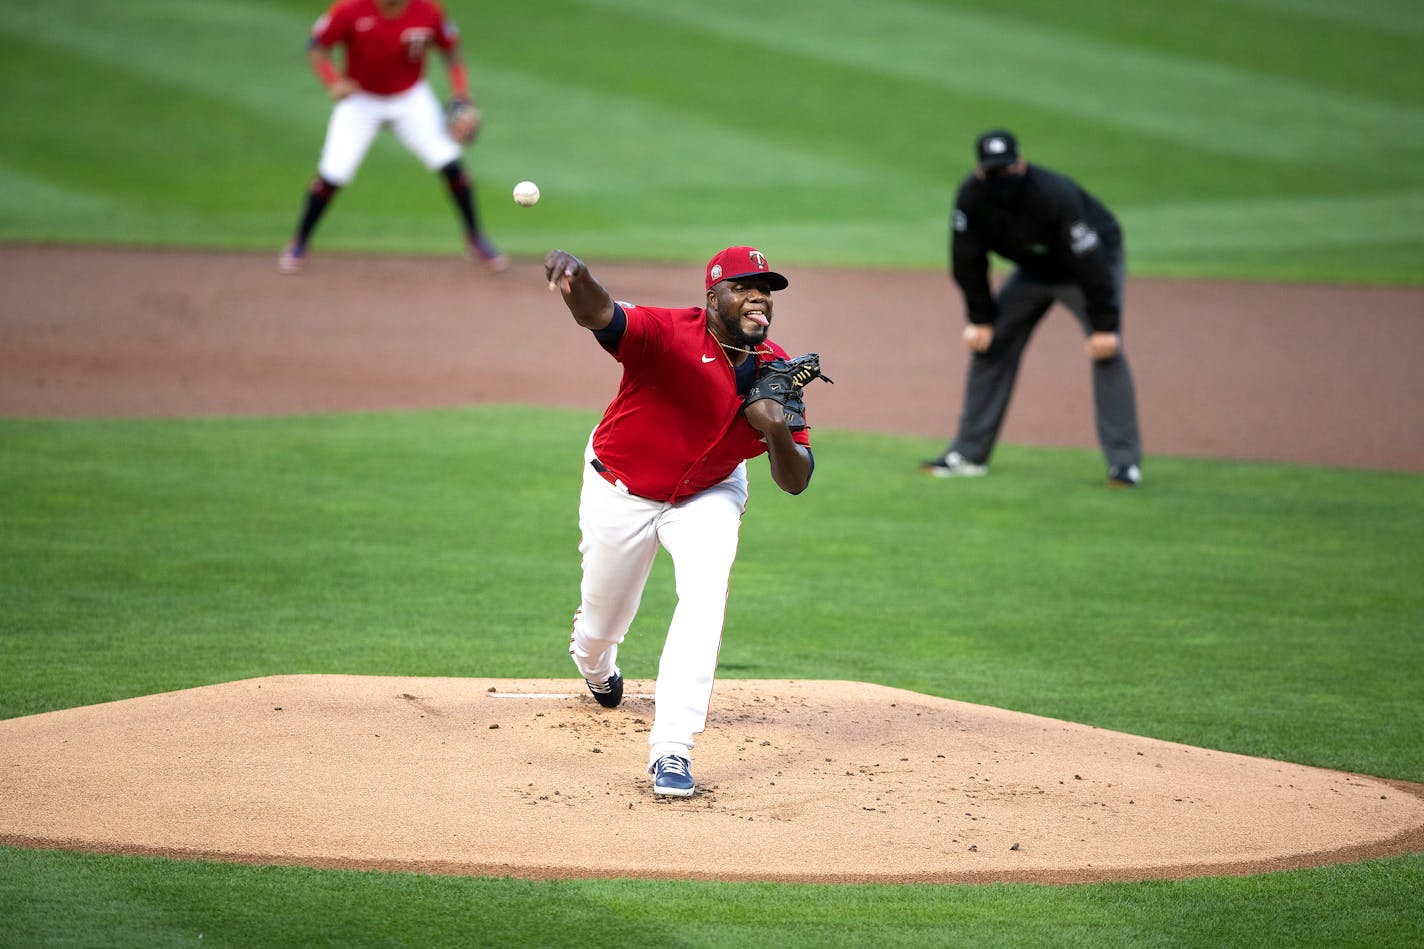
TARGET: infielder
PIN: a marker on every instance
(700, 394)
(386, 42)
(1068, 247)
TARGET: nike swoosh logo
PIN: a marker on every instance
(707, 358)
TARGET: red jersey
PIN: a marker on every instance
(385, 56)
(675, 426)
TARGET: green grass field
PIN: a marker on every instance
(1263, 609)
(1240, 138)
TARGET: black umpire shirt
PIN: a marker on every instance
(1051, 228)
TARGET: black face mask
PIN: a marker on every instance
(1005, 190)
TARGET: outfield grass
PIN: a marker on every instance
(1239, 138)
(146, 902)
(1263, 609)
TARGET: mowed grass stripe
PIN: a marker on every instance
(1385, 16)
(1283, 223)
(1192, 103)
(230, 54)
(628, 160)
(804, 122)
(1350, 53)
(26, 196)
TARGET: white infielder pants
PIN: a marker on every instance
(414, 115)
(621, 534)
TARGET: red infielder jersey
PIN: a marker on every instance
(675, 426)
(385, 56)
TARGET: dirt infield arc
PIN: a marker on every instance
(797, 780)
(1322, 375)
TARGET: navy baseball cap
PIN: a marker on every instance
(996, 148)
(736, 262)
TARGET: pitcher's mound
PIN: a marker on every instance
(796, 781)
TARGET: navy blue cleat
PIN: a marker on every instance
(610, 693)
(672, 777)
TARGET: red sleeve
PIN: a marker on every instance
(447, 34)
(644, 336)
(333, 25)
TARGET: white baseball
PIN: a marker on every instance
(526, 193)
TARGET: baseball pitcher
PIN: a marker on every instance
(703, 391)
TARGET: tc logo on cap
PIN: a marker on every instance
(742, 261)
(995, 146)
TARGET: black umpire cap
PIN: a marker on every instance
(996, 148)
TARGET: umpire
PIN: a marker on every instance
(1066, 247)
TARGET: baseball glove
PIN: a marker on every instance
(783, 380)
(462, 120)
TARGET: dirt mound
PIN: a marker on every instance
(797, 781)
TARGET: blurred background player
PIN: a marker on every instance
(385, 43)
(1068, 248)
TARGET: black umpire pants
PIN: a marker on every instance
(1022, 303)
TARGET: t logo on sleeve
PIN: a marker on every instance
(1083, 238)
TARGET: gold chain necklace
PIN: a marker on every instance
(738, 349)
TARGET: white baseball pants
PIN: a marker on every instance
(621, 533)
(415, 117)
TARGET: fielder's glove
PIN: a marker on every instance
(783, 380)
(462, 120)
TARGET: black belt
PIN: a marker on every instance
(608, 476)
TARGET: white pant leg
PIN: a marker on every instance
(618, 542)
(349, 133)
(419, 124)
(701, 534)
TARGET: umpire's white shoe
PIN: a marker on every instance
(953, 465)
(1124, 476)
(672, 776)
